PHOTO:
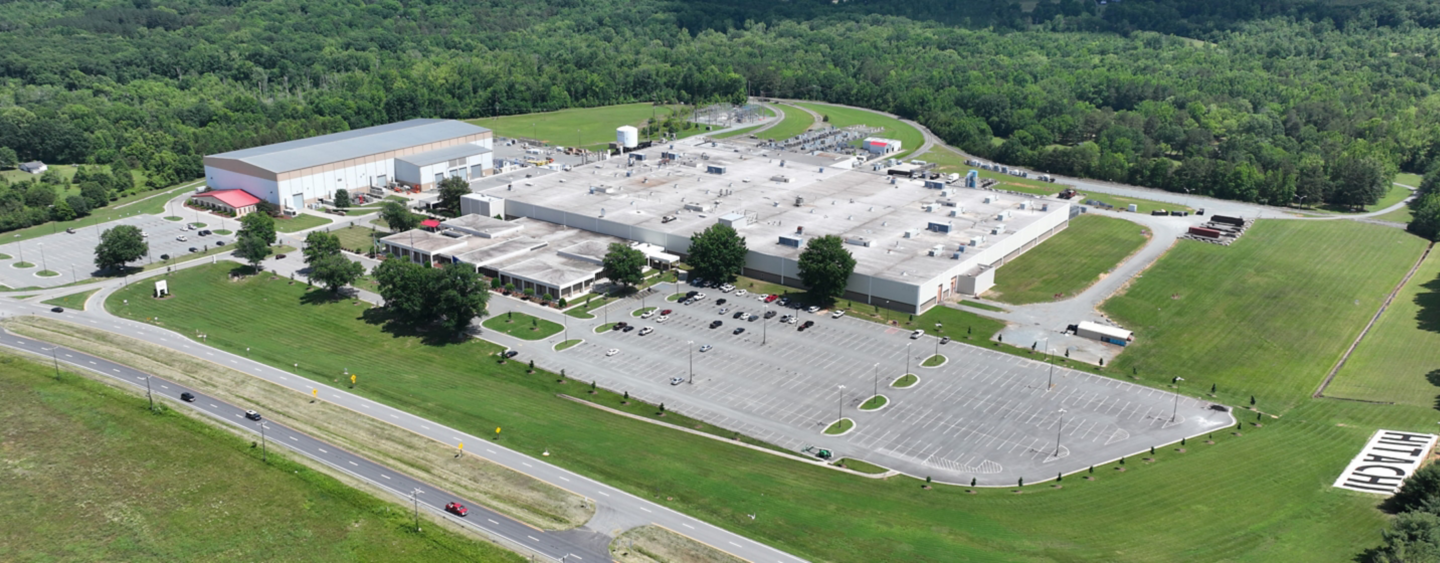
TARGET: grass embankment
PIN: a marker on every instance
(566, 345)
(1069, 262)
(861, 466)
(1267, 316)
(1166, 510)
(1402, 215)
(1399, 360)
(523, 326)
(595, 126)
(910, 138)
(586, 308)
(300, 222)
(72, 301)
(522, 497)
(794, 122)
(96, 476)
(1122, 203)
(979, 305)
(736, 133)
(653, 544)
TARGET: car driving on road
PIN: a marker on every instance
(187, 397)
(252, 415)
(456, 509)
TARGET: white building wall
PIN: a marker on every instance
(324, 184)
(220, 179)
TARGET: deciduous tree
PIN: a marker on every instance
(825, 267)
(118, 246)
(624, 265)
(717, 254)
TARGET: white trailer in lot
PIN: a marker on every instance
(1108, 334)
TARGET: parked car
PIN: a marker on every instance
(715, 324)
(511, 353)
(612, 351)
(753, 318)
(837, 314)
(620, 325)
(677, 380)
(164, 256)
(945, 340)
(219, 243)
(661, 318)
(666, 312)
(204, 233)
(770, 314)
(784, 301)
(720, 301)
(813, 309)
(182, 238)
(917, 334)
(71, 231)
(252, 415)
(808, 324)
(762, 296)
(690, 294)
(706, 348)
(647, 314)
(699, 296)
(738, 330)
(690, 301)
(794, 319)
(723, 310)
(738, 314)
(771, 298)
(741, 293)
(194, 250)
(646, 330)
(187, 397)
(629, 328)
(456, 509)
(727, 288)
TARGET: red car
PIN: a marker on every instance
(456, 509)
(772, 298)
(665, 312)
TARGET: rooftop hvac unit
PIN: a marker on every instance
(929, 207)
(780, 179)
(799, 201)
(782, 164)
(937, 250)
(940, 227)
(859, 241)
(452, 233)
(1003, 215)
(912, 233)
(701, 207)
(997, 228)
(667, 218)
(977, 240)
(1024, 205)
(792, 241)
(627, 136)
(1044, 207)
(934, 184)
(992, 199)
(954, 212)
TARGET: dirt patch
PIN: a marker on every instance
(653, 544)
(497, 487)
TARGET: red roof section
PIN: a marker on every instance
(431, 223)
(233, 198)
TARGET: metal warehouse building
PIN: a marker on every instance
(418, 152)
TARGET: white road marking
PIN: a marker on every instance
(354, 464)
(322, 450)
(736, 544)
(526, 464)
(564, 479)
(394, 417)
(212, 405)
(69, 356)
(294, 439)
(603, 493)
(364, 405)
(643, 508)
(532, 538)
(489, 450)
(493, 522)
(384, 475)
(425, 427)
(164, 386)
(92, 363)
(687, 525)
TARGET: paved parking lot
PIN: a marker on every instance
(983, 414)
(73, 255)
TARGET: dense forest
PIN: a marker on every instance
(1288, 101)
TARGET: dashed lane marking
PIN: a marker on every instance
(354, 464)
(532, 538)
(493, 522)
(687, 525)
(322, 450)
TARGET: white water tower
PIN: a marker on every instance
(627, 137)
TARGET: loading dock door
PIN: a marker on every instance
(297, 201)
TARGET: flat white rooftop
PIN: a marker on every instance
(833, 200)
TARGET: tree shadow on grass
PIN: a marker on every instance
(1428, 317)
(398, 327)
(1434, 378)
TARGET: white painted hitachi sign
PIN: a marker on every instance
(1386, 461)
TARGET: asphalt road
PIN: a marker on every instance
(617, 510)
(432, 498)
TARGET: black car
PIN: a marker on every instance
(629, 328)
(945, 340)
(769, 314)
(187, 397)
(691, 293)
(738, 330)
(808, 324)
(193, 249)
(252, 415)
(738, 314)
(205, 233)
(511, 353)
(714, 324)
(720, 301)
(164, 256)
(753, 318)
(620, 326)
(219, 243)
(57, 310)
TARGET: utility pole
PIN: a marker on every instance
(907, 357)
(148, 394)
(415, 499)
(1176, 410)
(56, 360)
(765, 326)
(691, 345)
(264, 450)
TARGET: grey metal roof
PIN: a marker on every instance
(443, 155)
(325, 149)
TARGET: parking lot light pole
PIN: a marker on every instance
(43, 266)
(765, 326)
(840, 405)
(1176, 409)
(692, 361)
(877, 379)
(1057, 432)
(907, 358)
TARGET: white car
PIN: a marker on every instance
(182, 238)
(917, 334)
(705, 348)
(762, 296)
(144, 234)
(727, 288)
(662, 318)
(699, 296)
(741, 293)
(612, 351)
(677, 380)
(648, 330)
(647, 314)
(723, 310)
(813, 308)
(794, 320)
(837, 314)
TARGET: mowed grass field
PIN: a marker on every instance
(949, 161)
(300, 222)
(910, 138)
(1267, 316)
(1263, 496)
(72, 301)
(588, 126)
(92, 475)
(794, 122)
(1068, 262)
(1399, 360)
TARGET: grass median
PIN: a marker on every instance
(523, 326)
(72, 301)
(96, 476)
(1165, 510)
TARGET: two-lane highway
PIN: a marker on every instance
(430, 497)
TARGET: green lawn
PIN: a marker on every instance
(1267, 316)
(1412, 180)
(953, 162)
(933, 361)
(857, 465)
(1068, 262)
(874, 402)
(594, 126)
(1396, 195)
(979, 305)
(93, 476)
(1401, 215)
(300, 222)
(840, 426)
(955, 323)
(584, 309)
(736, 133)
(67, 171)
(905, 381)
(1260, 497)
(1143, 206)
(566, 345)
(143, 203)
(795, 122)
(356, 237)
(1399, 360)
(523, 326)
(72, 301)
(910, 138)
